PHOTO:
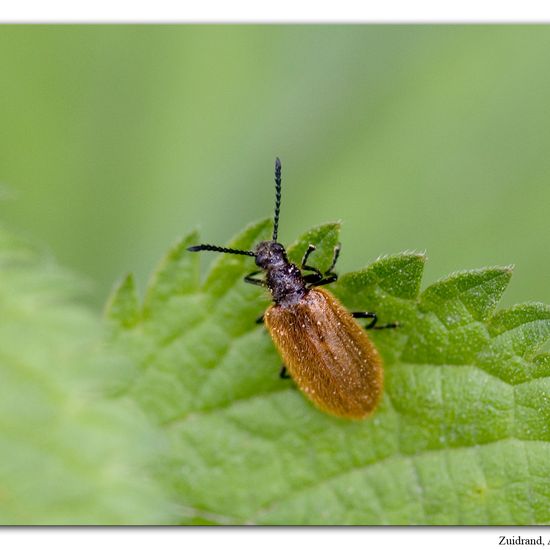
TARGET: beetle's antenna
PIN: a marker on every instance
(212, 248)
(277, 197)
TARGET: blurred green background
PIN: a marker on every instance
(116, 140)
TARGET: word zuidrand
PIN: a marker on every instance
(520, 540)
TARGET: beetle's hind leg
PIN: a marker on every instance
(374, 319)
(283, 373)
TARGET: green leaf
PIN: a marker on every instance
(461, 435)
(70, 455)
(177, 275)
(124, 308)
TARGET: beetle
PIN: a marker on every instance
(325, 351)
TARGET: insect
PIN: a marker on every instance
(329, 356)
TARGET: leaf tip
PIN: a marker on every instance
(123, 303)
(477, 290)
(177, 272)
(523, 328)
(406, 254)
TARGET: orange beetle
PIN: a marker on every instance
(328, 355)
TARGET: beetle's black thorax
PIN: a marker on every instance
(283, 278)
(286, 284)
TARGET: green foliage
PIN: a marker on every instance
(176, 412)
(69, 454)
(460, 437)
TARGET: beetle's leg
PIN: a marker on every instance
(334, 259)
(259, 282)
(312, 278)
(374, 317)
(284, 373)
(328, 276)
(250, 279)
(319, 280)
(310, 249)
(316, 278)
(306, 267)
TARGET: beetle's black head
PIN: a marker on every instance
(270, 254)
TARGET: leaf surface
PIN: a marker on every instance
(461, 435)
(70, 454)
